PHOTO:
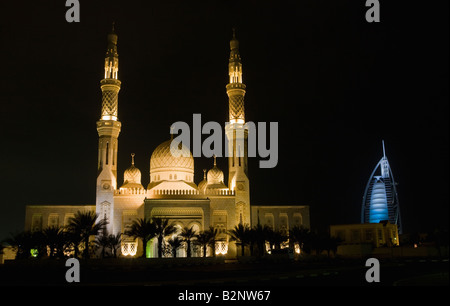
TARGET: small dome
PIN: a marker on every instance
(132, 176)
(215, 175)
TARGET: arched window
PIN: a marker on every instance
(170, 176)
(107, 152)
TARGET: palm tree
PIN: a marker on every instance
(162, 229)
(55, 239)
(188, 234)
(103, 242)
(203, 239)
(300, 235)
(278, 238)
(144, 229)
(73, 241)
(240, 234)
(85, 225)
(175, 243)
(21, 243)
(213, 232)
(259, 235)
(114, 243)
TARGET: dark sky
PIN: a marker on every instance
(336, 85)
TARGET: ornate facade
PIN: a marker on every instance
(172, 192)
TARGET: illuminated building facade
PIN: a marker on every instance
(380, 201)
(171, 192)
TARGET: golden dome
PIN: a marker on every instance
(132, 176)
(215, 175)
(162, 160)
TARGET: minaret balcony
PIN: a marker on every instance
(231, 86)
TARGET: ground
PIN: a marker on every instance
(166, 272)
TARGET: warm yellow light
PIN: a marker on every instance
(239, 121)
(129, 248)
(109, 118)
(221, 247)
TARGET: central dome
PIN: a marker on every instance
(165, 166)
(162, 158)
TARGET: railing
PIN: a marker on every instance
(173, 192)
(130, 191)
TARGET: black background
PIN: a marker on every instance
(336, 85)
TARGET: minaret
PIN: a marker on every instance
(108, 128)
(237, 135)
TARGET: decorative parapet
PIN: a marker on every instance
(130, 191)
(172, 192)
(220, 192)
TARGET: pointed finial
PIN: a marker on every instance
(214, 159)
(384, 152)
(112, 30)
(204, 174)
(234, 43)
(132, 159)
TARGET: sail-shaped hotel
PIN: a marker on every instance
(380, 201)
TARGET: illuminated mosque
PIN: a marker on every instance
(172, 192)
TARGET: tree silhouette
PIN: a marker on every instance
(85, 224)
(240, 233)
(175, 243)
(144, 229)
(56, 240)
(162, 229)
(187, 234)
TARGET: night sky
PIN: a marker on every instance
(336, 85)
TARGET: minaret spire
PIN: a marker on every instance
(110, 85)
(235, 88)
(132, 159)
(237, 136)
(108, 128)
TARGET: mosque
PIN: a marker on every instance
(172, 192)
